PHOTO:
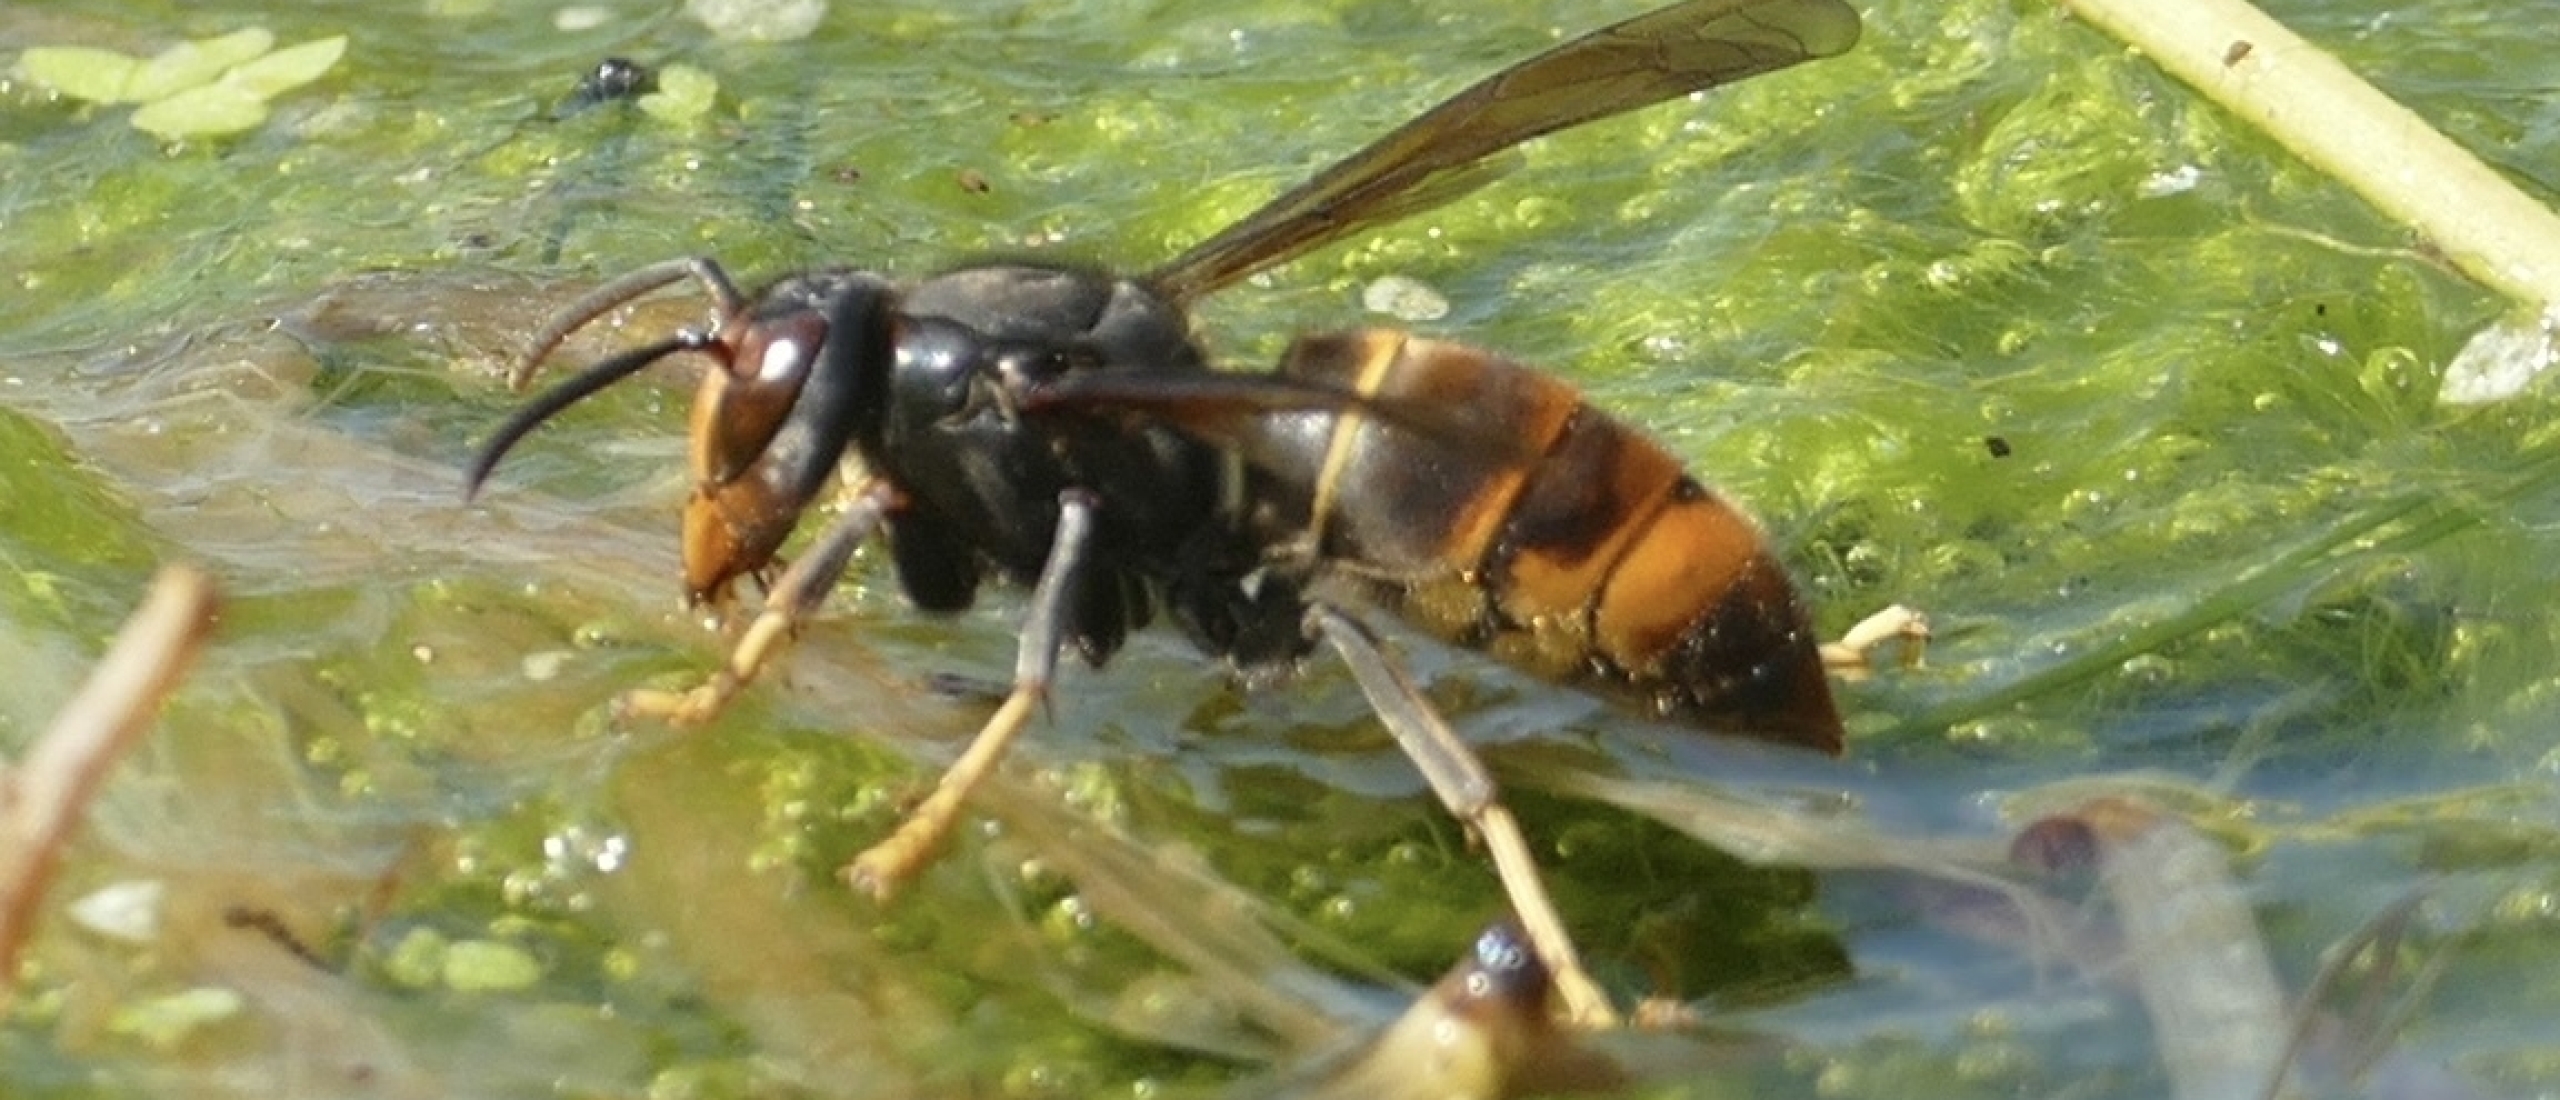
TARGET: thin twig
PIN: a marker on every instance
(2199, 961)
(42, 800)
(2328, 116)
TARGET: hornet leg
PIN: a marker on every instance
(1849, 657)
(794, 596)
(1463, 785)
(884, 866)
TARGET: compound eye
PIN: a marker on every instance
(743, 404)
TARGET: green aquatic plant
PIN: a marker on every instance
(202, 87)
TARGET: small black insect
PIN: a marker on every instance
(614, 78)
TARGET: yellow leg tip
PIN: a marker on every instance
(880, 871)
(1853, 654)
(677, 708)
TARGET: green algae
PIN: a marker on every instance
(1986, 317)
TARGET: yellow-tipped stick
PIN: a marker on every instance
(2325, 114)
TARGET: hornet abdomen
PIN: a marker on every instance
(1489, 504)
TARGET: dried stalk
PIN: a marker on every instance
(2328, 116)
(2198, 960)
(43, 798)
